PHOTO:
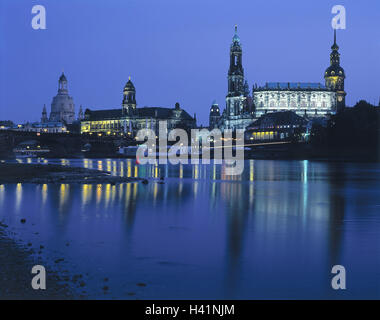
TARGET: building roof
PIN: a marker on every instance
(103, 114)
(273, 119)
(145, 112)
(129, 85)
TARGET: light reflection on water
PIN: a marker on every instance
(273, 232)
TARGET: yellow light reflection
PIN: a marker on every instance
(86, 193)
(107, 194)
(98, 193)
(251, 170)
(44, 193)
(129, 169)
(63, 194)
(2, 192)
(18, 196)
(136, 172)
(128, 192)
(120, 192)
(122, 169)
(155, 191)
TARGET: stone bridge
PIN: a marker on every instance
(59, 144)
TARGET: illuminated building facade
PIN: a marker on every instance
(42, 127)
(305, 99)
(308, 100)
(128, 119)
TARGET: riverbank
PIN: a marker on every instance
(305, 151)
(15, 273)
(41, 174)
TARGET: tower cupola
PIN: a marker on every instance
(62, 84)
(129, 97)
(335, 75)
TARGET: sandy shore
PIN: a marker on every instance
(38, 173)
(15, 273)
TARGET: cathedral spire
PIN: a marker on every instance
(235, 95)
(334, 75)
(335, 46)
(236, 38)
(44, 115)
(334, 36)
(80, 113)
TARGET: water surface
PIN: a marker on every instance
(273, 232)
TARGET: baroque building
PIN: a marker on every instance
(305, 99)
(62, 106)
(128, 119)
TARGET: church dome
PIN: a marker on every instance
(129, 85)
(62, 77)
(335, 46)
(214, 110)
(236, 38)
(334, 70)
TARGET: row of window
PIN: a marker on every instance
(303, 104)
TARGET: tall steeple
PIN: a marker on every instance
(44, 117)
(334, 55)
(80, 113)
(334, 75)
(236, 71)
(234, 105)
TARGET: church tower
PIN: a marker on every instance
(235, 95)
(44, 117)
(129, 98)
(80, 113)
(62, 106)
(334, 76)
(214, 115)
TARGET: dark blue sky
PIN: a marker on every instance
(176, 50)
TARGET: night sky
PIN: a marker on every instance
(176, 50)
